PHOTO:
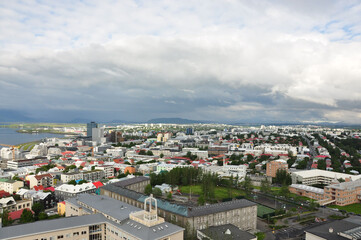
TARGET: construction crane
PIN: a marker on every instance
(92, 148)
(11, 146)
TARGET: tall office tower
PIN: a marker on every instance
(189, 131)
(89, 127)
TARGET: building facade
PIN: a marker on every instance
(273, 166)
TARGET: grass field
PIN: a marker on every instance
(355, 208)
(262, 210)
(220, 192)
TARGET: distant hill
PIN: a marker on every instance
(175, 121)
(13, 116)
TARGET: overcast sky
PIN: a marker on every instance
(231, 61)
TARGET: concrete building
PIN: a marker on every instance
(66, 191)
(98, 135)
(317, 176)
(19, 163)
(344, 193)
(136, 184)
(119, 224)
(307, 191)
(93, 176)
(273, 166)
(9, 204)
(89, 128)
(45, 180)
(348, 228)
(168, 167)
(241, 213)
(107, 169)
(10, 186)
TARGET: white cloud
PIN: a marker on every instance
(182, 53)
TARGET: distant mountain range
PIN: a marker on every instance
(13, 116)
(176, 121)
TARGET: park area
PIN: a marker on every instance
(219, 192)
(353, 208)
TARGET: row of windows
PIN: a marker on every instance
(68, 235)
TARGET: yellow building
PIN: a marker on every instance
(61, 208)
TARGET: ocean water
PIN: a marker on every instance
(11, 137)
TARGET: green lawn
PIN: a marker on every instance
(355, 208)
(220, 192)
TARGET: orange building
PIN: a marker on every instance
(273, 166)
(130, 170)
(345, 193)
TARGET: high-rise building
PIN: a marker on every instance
(189, 131)
(89, 128)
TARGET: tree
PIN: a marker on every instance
(6, 221)
(42, 216)
(149, 153)
(93, 168)
(142, 152)
(302, 164)
(169, 196)
(201, 200)
(148, 189)
(26, 216)
(247, 186)
(37, 208)
(161, 155)
(265, 186)
(82, 181)
(73, 182)
(157, 192)
(283, 177)
(284, 191)
(321, 164)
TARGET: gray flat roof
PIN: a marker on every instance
(141, 231)
(337, 226)
(131, 181)
(46, 226)
(219, 207)
(109, 206)
(218, 232)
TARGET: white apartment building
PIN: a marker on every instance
(317, 176)
(168, 167)
(10, 186)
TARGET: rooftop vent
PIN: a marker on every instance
(330, 230)
(228, 232)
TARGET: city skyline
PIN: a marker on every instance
(222, 61)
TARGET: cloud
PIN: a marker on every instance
(217, 60)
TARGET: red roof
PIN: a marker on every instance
(68, 153)
(17, 214)
(39, 177)
(314, 165)
(98, 184)
(37, 188)
(40, 164)
(321, 156)
(50, 189)
(4, 194)
(283, 155)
